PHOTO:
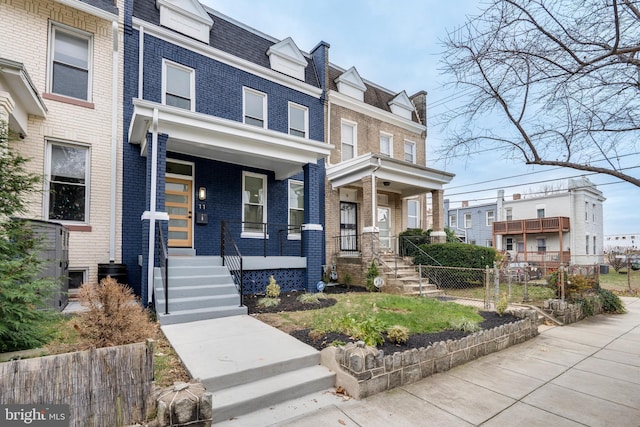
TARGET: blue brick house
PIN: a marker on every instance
(223, 149)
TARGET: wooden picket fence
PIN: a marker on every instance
(107, 386)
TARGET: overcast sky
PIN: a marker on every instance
(397, 45)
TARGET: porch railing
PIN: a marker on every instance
(162, 252)
(231, 257)
(266, 238)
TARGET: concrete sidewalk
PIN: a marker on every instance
(587, 373)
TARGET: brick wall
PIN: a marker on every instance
(27, 42)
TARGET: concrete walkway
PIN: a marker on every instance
(584, 374)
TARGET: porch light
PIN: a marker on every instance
(386, 183)
(202, 193)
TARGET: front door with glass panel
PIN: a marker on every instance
(178, 202)
(384, 227)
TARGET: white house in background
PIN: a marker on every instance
(622, 242)
(566, 226)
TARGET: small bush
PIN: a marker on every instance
(502, 304)
(398, 334)
(465, 325)
(113, 316)
(273, 289)
(269, 302)
(372, 273)
(611, 303)
(368, 329)
(309, 299)
(347, 280)
(456, 255)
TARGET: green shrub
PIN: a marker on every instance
(269, 302)
(457, 255)
(347, 280)
(273, 289)
(611, 303)
(307, 298)
(372, 273)
(365, 328)
(398, 334)
(502, 304)
(465, 325)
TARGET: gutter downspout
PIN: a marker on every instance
(114, 145)
(140, 62)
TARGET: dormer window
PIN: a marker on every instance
(187, 17)
(286, 58)
(402, 106)
(350, 83)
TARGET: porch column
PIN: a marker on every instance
(369, 245)
(157, 153)
(437, 203)
(312, 229)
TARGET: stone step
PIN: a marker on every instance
(180, 303)
(193, 315)
(249, 397)
(198, 290)
(192, 261)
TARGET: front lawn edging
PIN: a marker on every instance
(567, 312)
(363, 371)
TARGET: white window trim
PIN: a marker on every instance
(390, 154)
(413, 150)
(56, 26)
(468, 215)
(47, 181)
(292, 235)
(354, 127)
(253, 234)
(417, 202)
(192, 82)
(306, 118)
(453, 224)
(264, 105)
(487, 217)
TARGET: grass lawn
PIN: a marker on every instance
(619, 282)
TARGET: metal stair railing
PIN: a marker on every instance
(163, 260)
(231, 257)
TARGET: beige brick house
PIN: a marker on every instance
(378, 184)
(60, 92)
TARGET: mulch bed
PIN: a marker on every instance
(289, 302)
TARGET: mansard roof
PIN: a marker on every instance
(374, 95)
(231, 37)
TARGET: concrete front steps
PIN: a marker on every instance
(200, 288)
(402, 277)
(247, 365)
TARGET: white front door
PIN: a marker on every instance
(384, 226)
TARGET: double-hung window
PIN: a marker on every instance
(467, 220)
(296, 207)
(348, 139)
(70, 61)
(178, 86)
(254, 202)
(453, 221)
(409, 152)
(298, 120)
(413, 214)
(386, 144)
(68, 182)
(255, 108)
(491, 216)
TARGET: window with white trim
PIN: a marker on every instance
(509, 243)
(298, 120)
(540, 213)
(255, 108)
(254, 202)
(491, 216)
(410, 151)
(453, 221)
(386, 144)
(75, 278)
(467, 220)
(413, 214)
(296, 206)
(488, 243)
(178, 85)
(67, 181)
(586, 246)
(509, 214)
(348, 140)
(594, 245)
(542, 244)
(70, 61)
(593, 213)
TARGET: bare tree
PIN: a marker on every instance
(561, 76)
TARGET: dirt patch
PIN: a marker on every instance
(289, 303)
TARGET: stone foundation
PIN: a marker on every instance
(364, 371)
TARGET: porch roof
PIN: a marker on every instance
(229, 141)
(395, 175)
(15, 80)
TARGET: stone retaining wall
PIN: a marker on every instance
(364, 371)
(571, 313)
